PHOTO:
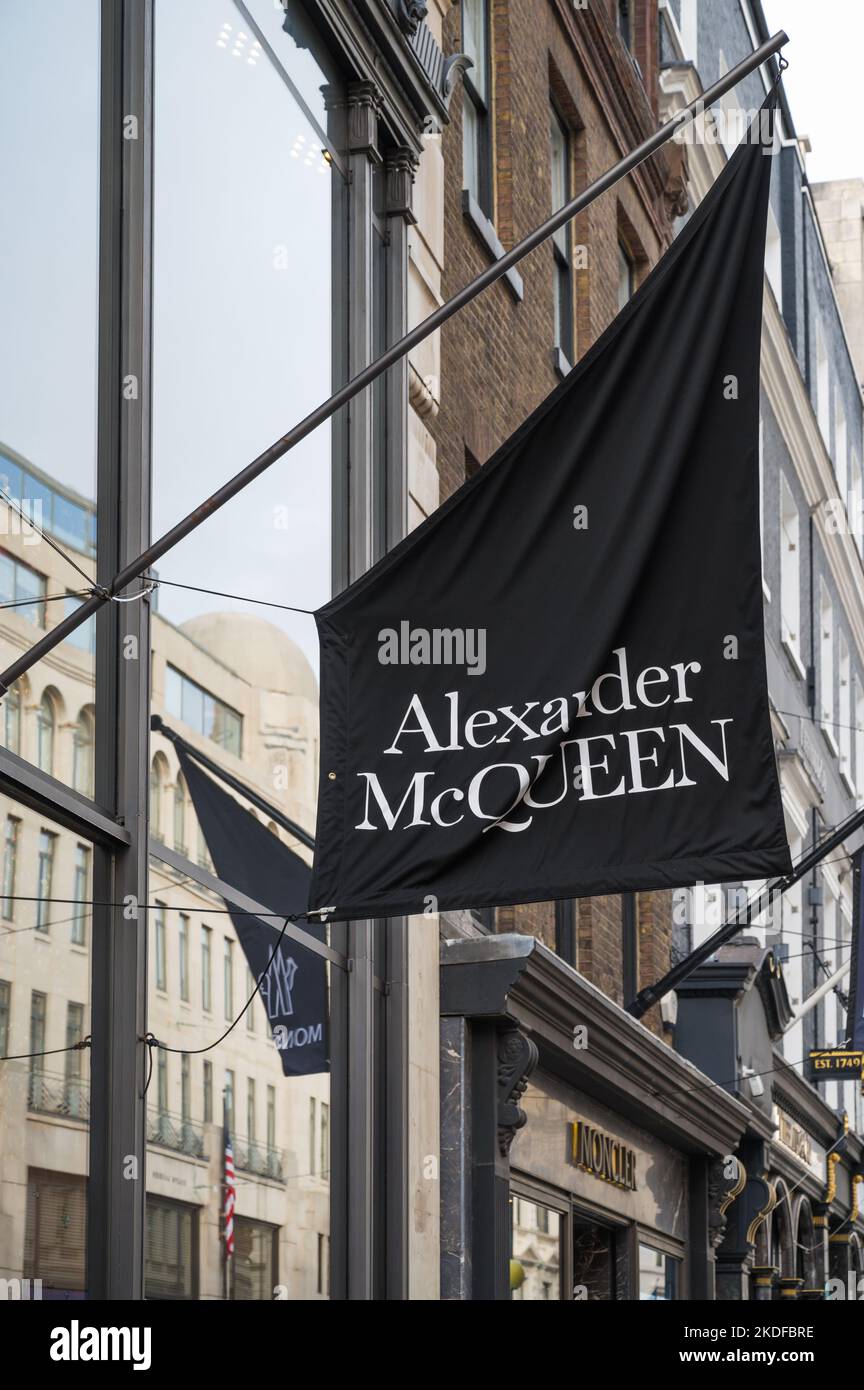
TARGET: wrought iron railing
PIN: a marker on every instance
(173, 1132)
(252, 1157)
(51, 1094)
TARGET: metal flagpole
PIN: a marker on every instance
(813, 999)
(137, 568)
(157, 723)
(652, 994)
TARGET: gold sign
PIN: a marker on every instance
(793, 1136)
(836, 1063)
(601, 1155)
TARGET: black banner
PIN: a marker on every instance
(251, 859)
(855, 1017)
(556, 685)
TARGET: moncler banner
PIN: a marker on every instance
(556, 685)
(250, 858)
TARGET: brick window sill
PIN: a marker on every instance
(561, 363)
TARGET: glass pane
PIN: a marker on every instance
(593, 1261)
(49, 247)
(560, 179)
(559, 164)
(470, 150)
(474, 28)
(45, 932)
(243, 343)
(658, 1275)
(536, 1262)
(255, 1260)
(170, 1242)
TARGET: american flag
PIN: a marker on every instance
(230, 1196)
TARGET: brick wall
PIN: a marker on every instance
(497, 355)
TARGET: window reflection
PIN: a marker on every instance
(45, 721)
(246, 214)
(49, 281)
(44, 1008)
(536, 1245)
(658, 1275)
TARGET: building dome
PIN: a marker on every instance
(256, 650)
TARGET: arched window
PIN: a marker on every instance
(180, 814)
(155, 799)
(203, 852)
(82, 754)
(45, 725)
(11, 724)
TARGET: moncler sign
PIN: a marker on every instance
(556, 685)
(606, 1158)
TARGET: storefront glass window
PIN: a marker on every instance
(246, 236)
(536, 1260)
(658, 1275)
(170, 1268)
(49, 301)
(45, 1109)
(255, 1260)
(593, 1260)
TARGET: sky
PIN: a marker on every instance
(826, 40)
(241, 288)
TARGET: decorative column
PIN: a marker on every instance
(485, 1066)
(790, 1287)
(839, 1251)
(357, 113)
(726, 1179)
(502, 1061)
(838, 1227)
(764, 1278)
(486, 1061)
(400, 165)
(735, 1254)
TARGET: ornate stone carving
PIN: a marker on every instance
(365, 105)
(722, 1191)
(675, 194)
(763, 1213)
(400, 164)
(517, 1058)
(454, 67)
(411, 14)
(423, 395)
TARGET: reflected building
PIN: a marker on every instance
(239, 689)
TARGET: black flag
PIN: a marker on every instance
(556, 685)
(250, 858)
(855, 1016)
